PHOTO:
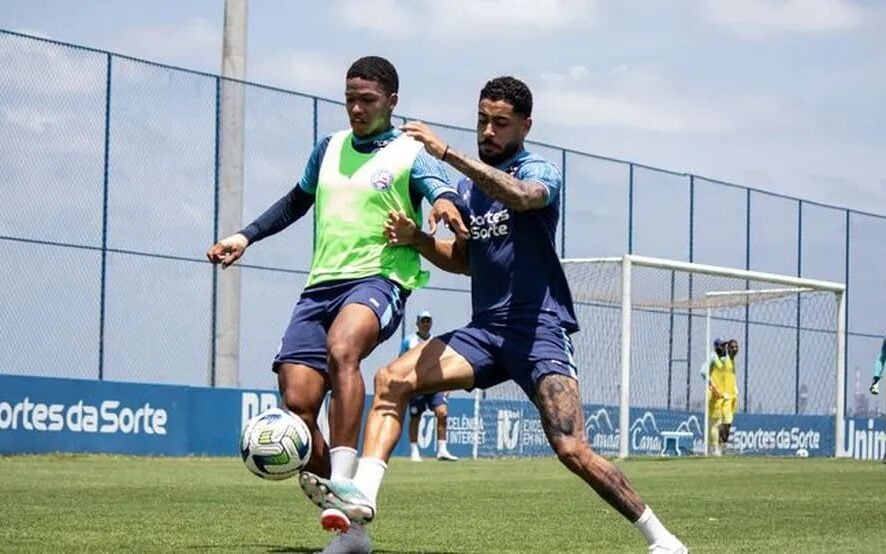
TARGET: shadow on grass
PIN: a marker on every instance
(301, 549)
(278, 549)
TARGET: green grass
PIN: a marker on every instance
(103, 503)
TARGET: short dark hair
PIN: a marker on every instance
(514, 91)
(378, 69)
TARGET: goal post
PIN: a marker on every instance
(647, 328)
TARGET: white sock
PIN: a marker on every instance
(441, 447)
(652, 529)
(370, 472)
(413, 449)
(343, 460)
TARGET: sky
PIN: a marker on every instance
(782, 95)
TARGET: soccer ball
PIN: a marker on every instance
(275, 444)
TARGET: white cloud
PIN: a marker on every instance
(477, 19)
(641, 99)
(380, 16)
(62, 70)
(508, 18)
(33, 33)
(30, 118)
(194, 41)
(586, 108)
(762, 17)
(308, 72)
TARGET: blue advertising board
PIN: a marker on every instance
(39, 414)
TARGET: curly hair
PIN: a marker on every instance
(512, 90)
(378, 69)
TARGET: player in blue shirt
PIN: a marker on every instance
(436, 402)
(522, 315)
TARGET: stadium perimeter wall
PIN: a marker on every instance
(42, 415)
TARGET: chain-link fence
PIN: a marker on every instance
(108, 188)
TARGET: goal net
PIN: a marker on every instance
(647, 331)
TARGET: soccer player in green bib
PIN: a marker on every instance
(355, 293)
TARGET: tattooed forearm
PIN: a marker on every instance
(510, 191)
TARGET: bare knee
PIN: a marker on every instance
(393, 385)
(572, 452)
(296, 402)
(442, 412)
(343, 356)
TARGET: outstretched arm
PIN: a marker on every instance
(449, 255)
(878, 369)
(516, 194)
(276, 218)
(280, 215)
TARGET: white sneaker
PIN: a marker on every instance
(445, 456)
(668, 546)
(354, 540)
(677, 548)
(415, 457)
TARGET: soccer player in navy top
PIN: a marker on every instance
(522, 315)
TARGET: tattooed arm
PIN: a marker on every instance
(516, 194)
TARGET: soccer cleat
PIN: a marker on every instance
(354, 540)
(334, 520)
(445, 456)
(339, 495)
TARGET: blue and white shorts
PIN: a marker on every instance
(304, 341)
(524, 353)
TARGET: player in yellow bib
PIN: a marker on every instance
(722, 393)
(355, 293)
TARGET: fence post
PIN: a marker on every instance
(846, 311)
(563, 205)
(316, 121)
(747, 308)
(104, 268)
(630, 208)
(799, 301)
(689, 323)
(215, 215)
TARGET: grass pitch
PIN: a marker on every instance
(70, 503)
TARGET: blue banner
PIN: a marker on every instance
(39, 415)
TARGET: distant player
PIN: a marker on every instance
(722, 393)
(521, 322)
(435, 402)
(878, 369)
(355, 292)
(878, 374)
